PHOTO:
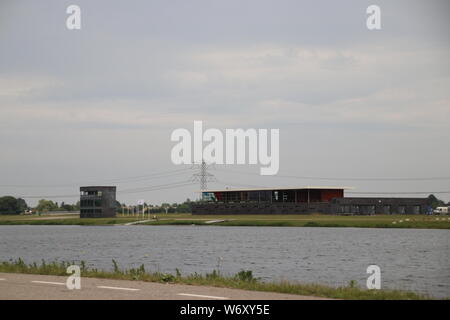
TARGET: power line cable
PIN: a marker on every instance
(239, 185)
(341, 178)
(412, 192)
(118, 180)
(348, 192)
(127, 191)
(153, 188)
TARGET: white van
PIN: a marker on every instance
(441, 210)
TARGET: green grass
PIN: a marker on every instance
(311, 220)
(63, 220)
(242, 280)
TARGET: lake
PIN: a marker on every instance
(410, 259)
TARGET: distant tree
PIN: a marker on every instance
(46, 205)
(118, 207)
(155, 210)
(11, 205)
(22, 204)
(435, 202)
(166, 207)
(68, 207)
(184, 207)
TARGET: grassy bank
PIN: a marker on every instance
(242, 280)
(68, 219)
(312, 220)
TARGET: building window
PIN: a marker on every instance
(355, 209)
(368, 209)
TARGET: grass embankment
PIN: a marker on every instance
(242, 280)
(68, 219)
(312, 220)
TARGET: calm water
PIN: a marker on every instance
(411, 259)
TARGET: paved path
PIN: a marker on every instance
(135, 222)
(27, 286)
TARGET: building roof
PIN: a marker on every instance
(99, 187)
(275, 188)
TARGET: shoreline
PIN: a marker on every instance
(313, 220)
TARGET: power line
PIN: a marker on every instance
(155, 188)
(347, 192)
(117, 180)
(50, 196)
(412, 192)
(342, 178)
(126, 191)
(177, 185)
(239, 185)
(150, 176)
(203, 177)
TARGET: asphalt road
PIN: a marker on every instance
(15, 286)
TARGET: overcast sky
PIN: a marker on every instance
(97, 105)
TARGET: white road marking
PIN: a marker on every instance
(201, 296)
(48, 282)
(2, 279)
(118, 288)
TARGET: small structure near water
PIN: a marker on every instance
(97, 202)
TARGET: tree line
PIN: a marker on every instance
(184, 207)
(11, 205)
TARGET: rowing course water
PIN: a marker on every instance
(410, 259)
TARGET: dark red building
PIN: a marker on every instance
(298, 195)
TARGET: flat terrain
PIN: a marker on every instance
(28, 286)
(64, 219)
(312, 220)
